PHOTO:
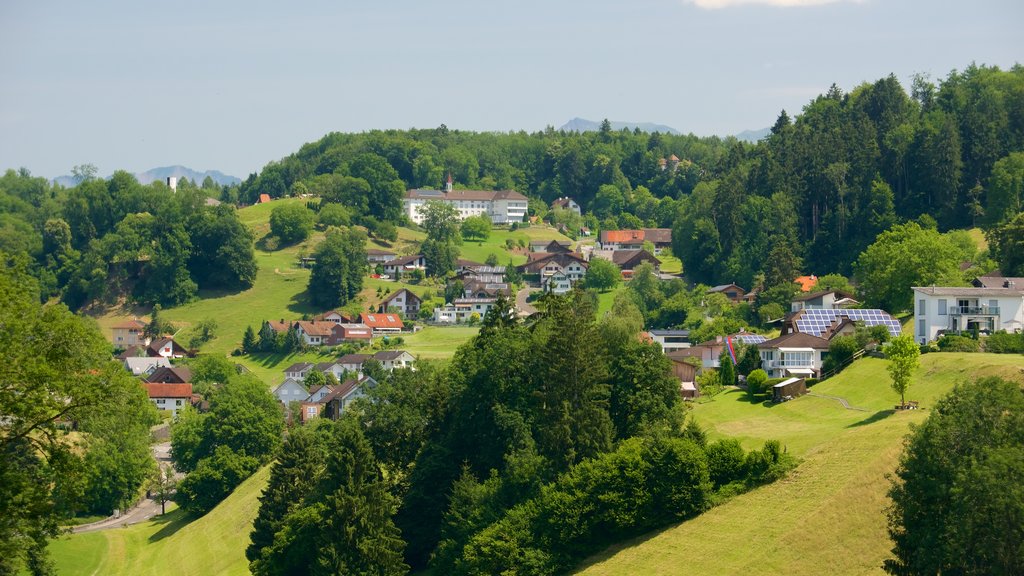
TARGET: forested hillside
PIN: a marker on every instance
(810, 197)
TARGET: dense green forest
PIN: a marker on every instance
(810, 197)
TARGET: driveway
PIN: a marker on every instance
(524, 307)
(144, 510)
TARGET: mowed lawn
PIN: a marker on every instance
(828, 515)
(173, 545)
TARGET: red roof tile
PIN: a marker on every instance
(381, 320)
(160, 390)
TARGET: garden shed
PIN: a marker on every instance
(788, 389)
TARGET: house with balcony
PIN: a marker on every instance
(824, 300)
(670, 340)
(952, 310)
(794, 354)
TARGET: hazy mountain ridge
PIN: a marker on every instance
(163, 172)
(584, 125)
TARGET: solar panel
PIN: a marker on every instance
(817, 321)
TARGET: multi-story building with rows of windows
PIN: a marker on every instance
(502, 207)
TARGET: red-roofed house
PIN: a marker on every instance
(382, 323)
(314, 333)
(264, 198)
(622, 239)
(349, 332)
(129, 333)
(171, 397)
(807, 283)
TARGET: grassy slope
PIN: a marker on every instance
(824, 518)
(827, 517)
(280, 293)
(213, 544)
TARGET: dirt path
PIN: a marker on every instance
(840, 400)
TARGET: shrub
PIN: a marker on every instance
(213, 479)
(725, 461)
(1003, 342)
(291, 222)
(954, 343)
(756, 382)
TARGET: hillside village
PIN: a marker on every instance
(531, 353)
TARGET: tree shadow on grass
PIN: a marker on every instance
(172, 522)
(300, 303)
(876, 417)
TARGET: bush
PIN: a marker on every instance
(725, 462)
(291, 223)
(756, 382)
(333, 215)
(1005, 343)
(954, 343)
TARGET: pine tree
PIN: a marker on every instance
(268, 338)
(726, 369)
(249, 341)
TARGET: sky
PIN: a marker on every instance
(232, 85)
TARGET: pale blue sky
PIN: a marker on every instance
(232, 85)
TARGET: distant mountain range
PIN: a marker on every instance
(584, 125)
(164, 172)
(753, 135)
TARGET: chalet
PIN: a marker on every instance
(130, 333)
(291, 390)
(551, 246)
(376, 256)
(298, 371)
(546, 264)
(403, 301)
(405, 264)
(627, 260)
(313, 333)
(685, 369)
(170, 375)
(557, 283)
(335, 316)
(167, 348)
(353, 362)
(566, 203)
(824, 300)
(382, 323)
(144, 365)
(794, 354)
(733, 292)
(349, 391)
(171, 396)
(392, 359)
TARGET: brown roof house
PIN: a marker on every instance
(130, 333)
(403, 301)
(793, 354)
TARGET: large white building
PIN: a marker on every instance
(502, 206)
(951, 310)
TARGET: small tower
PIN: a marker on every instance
(448, 183)
(172, 183)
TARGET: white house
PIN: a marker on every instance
(940, 310)
(404, 301)
(793, 354)
(169, 396)
(566, 203)
(828, 300)
(391, 359)
(502, 207)
(290, 390)
(298, 371)
(378, 256)
(399, 266)
(557, 283)
(671, 340)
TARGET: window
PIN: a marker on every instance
(177, 402)
(942, 307)
(920, 307)
(921, 331)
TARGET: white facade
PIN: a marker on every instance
(952, 310)
(671, 340)
(784, 362)
(462, 309)
(171, 404)
(502, 207)
(290, 390)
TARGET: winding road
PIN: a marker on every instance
(144, 510)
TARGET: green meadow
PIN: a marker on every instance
(825, 517)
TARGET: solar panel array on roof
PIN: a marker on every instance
(750, 338)
(816, 322)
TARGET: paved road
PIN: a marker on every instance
(144, 510)
(524, 307)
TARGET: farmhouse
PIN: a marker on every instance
(171, 397)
